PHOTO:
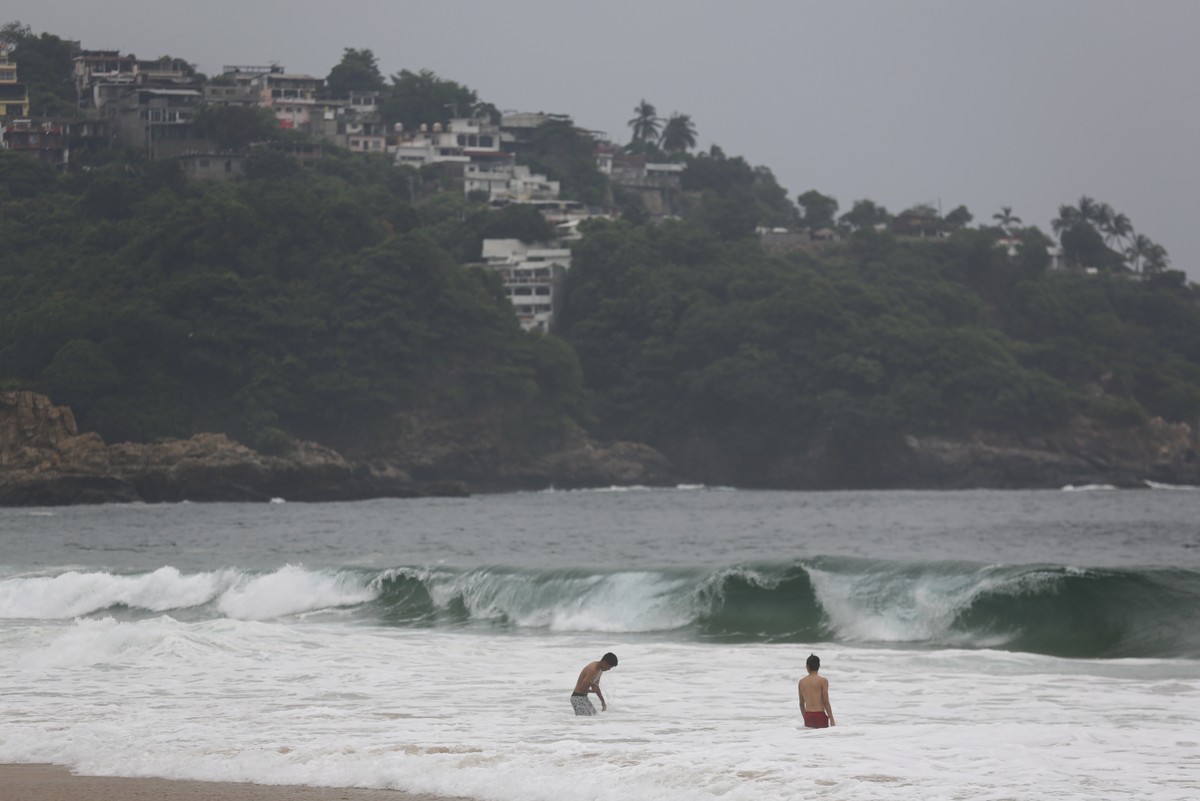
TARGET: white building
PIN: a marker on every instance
(460, 140)
(533, 278)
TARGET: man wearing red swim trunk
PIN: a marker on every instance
(814, 697)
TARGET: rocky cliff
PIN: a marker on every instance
(1080, 453)
(44, 460)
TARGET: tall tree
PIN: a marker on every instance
(865, 214)
(44, 64)
(1157, 259)
(1068, 217)
(1119, 229)
(819, 210)
(1088, 209)
(679, 134)
(1006, 218)
(645, 124)
(357, 71)
(1139, 248)
(958, 217)
(422, 98)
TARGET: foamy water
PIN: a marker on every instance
(488, 716)
(431, 646)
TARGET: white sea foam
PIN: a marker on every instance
(1158, 485)
(1087, 487)
(618, 602)
(289, 591)
(76, 593)
(487, 716)
(245, 596)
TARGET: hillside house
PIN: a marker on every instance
(44, 141)
(533, 277)
(14, 95)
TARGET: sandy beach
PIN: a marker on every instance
(54, 783)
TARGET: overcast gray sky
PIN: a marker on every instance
(1022, 103)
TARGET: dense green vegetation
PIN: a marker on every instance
(689, 338)
(311, 303)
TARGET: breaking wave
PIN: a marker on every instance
(1047, 609)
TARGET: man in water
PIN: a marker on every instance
(814, 697)
(589, 682)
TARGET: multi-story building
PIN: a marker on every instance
(14, 95)
(457, 141)
(43, 141)
(159, 120)
(533, 278)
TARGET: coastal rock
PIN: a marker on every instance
(594, 465)
(476, 450)
(1081, 453)
(45, 461)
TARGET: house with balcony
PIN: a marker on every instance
(45, 141)
(160, 120)
(458, 141)
(14, 95)
(533, 277)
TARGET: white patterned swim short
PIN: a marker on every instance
(582, 705)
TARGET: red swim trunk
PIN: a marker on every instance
(816, 720)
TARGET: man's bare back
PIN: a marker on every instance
(814, 697)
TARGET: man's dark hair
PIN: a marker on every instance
(814, 662)
(609, 659)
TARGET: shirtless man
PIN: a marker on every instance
(589, 682)
(814, 697)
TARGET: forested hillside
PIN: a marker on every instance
(713, 350)
(289, 303)
(319, 303)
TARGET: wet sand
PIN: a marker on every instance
(54, 783)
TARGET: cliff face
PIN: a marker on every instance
(44, 460)
(1078, 454)
(1081, 453)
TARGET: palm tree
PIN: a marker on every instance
(1068, 217)
(679, 134)
(1139, 250)
(1087, 209)
(1157, 259)
(645, 124)
(1118, 228)
(1007, 218)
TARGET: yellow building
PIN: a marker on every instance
(14, 96)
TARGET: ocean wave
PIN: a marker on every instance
(1049, 609)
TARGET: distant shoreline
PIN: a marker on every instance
(41, 782)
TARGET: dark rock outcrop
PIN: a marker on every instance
(44, 460)
(1080, 453)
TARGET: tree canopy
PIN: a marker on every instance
(357, 71)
